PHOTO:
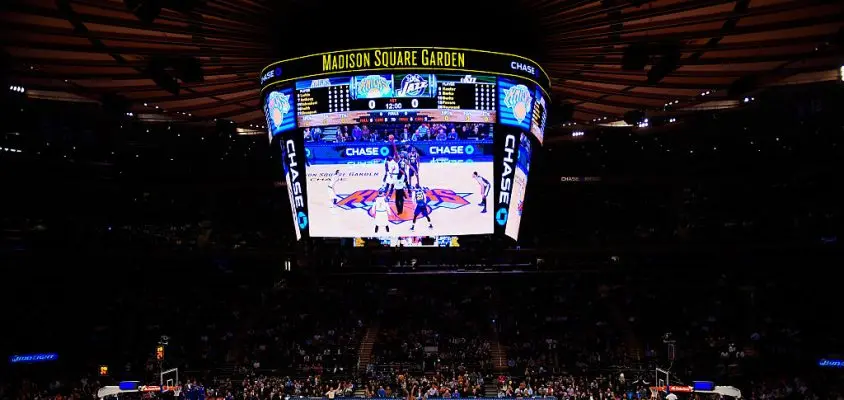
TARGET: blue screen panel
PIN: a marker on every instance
(415, 85)
(515, 103)
(371, 87)
(279, 110)
(319, 83)
(520, 179)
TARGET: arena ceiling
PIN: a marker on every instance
(707, 53)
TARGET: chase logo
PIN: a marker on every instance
(302, 220)
(278, 105)
(373, 87)
(501, 216)
(518, 99)
(271, 74)
(523, 67)
(367, 151)
(412, 85)
(451, 150)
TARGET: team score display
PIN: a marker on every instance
(394, 104)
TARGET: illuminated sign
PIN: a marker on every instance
(159, 353)
(392, 58)
(33, 358)
(367, 151)
(507, 173)
(675, 389)
(270, 74)
(451, 150)
(830, 363)
(295, 185)
(410, 59)
(103, 370)
(523, 67)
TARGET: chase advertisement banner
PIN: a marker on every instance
(467, 151)
(507, 146)
(294, 162)
(322, 65)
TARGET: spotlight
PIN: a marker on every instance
(841, 73)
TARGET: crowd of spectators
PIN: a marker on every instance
(571, 336)
(433, 131)
(143, 229)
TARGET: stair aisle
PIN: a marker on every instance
(365, 350)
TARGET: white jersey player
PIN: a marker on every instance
(332, 188)
(391, 168)
(381, 212)
(392, 171)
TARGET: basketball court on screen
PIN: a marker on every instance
(454, 199)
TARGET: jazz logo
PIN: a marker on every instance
(518, 99)
(373, 87)
(278, 106)
(412, 85)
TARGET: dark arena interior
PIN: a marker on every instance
(282, 199)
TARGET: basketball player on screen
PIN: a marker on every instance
(332, 185)
(381, 210)
(413, 165)
(391, 169)
(421, 207)
(485, 186)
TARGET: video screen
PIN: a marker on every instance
(278, 109)
(412, 241)
(515, 103)
(400, 180)
(540, 116)
(520, 178)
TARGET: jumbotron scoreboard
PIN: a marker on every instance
(406, 143)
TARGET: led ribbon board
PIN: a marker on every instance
(409, 59)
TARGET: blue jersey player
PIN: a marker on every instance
(421, 207)
(413, 165)
(484, 186)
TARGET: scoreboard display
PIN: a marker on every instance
(385, 98)
(406, 143)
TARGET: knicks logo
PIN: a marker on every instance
(278, 105)
(437, 198)
(518, 99)
(372, 87)
(412, 85)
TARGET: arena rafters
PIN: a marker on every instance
(196, 61)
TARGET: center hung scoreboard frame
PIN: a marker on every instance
(407, 85)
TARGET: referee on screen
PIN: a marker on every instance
(401, 185)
